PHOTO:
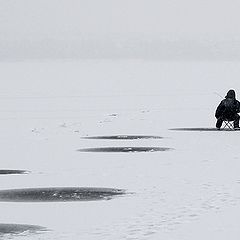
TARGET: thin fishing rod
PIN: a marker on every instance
(219, 95)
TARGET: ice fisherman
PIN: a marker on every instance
(228, 109)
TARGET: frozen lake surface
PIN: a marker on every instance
(50, 110)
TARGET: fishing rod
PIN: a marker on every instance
(219, 95)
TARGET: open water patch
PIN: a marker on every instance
(6, 229)
(201, 129)
(123, 137)
(124, 149)
(66, 194)
(12, 171)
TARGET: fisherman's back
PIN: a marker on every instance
(228, 109)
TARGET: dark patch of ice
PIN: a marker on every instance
(125, 149)
(66, 194)
(12, 171)
(19, 228)
(123, 137)
(200, 129)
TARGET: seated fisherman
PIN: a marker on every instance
(228, 109)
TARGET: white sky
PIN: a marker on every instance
(159, 18)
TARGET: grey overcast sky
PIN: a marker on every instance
(216, 19)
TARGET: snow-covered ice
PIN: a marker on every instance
(48, 108)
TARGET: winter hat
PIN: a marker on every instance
(231, 94)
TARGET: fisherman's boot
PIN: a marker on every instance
(236, 123)
(219, 123)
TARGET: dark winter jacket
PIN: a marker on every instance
(228, 107)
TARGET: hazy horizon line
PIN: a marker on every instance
(120, 49)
